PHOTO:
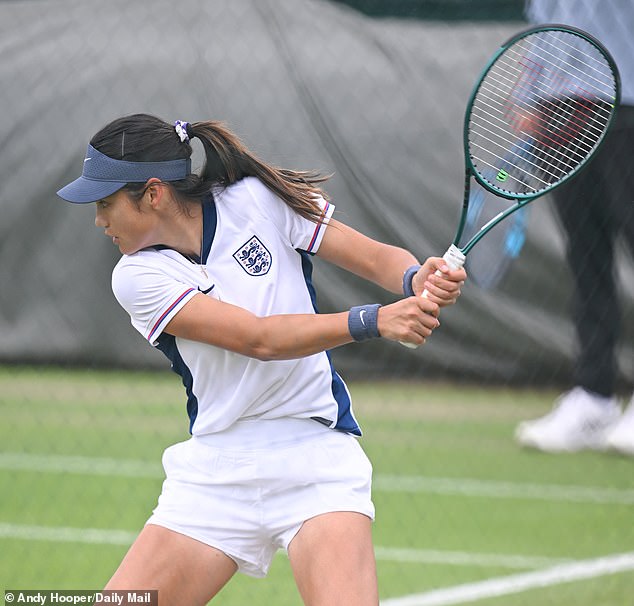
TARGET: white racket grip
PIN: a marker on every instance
(455, 259)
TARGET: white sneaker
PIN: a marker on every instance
(621, 436)
(578, 421)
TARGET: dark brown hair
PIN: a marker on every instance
(146, 138)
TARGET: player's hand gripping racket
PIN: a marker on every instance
(538, 113)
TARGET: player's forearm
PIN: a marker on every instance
(388, 266)
(283, 337)
(384, 265)
(276, 337)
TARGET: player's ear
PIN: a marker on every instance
(153, 192)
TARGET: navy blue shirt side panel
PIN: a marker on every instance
(210, 221)
(345, 419)
(167, 344)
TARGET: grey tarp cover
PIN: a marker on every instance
(307, 84)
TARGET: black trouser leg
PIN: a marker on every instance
(594, 208)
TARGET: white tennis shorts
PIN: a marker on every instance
(246, 491)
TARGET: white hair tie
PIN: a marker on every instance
(181, 130)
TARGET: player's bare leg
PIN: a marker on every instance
(185, 572)
(332, 558)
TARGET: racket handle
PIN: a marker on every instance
(454, 258)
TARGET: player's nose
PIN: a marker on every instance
(100, 220)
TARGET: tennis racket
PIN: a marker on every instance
(538, 113)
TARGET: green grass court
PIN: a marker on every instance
(457, 502)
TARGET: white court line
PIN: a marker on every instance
(562, 573)
(504, 490)
(80, 465)
(99, 536)
(61, 534)
(382, 483)
(461, 558)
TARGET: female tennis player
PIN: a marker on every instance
(216, 273)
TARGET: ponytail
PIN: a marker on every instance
(228, 160)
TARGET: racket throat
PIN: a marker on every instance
(465, 207)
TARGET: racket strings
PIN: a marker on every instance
(555, 122)
(596, 114)
(545, 167)
(530, 180)
(552, 95)
(562, 83)
(578, 147)
(490, 122)
(557, 76)
(552, 44)
(588, 102)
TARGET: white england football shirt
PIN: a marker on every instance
(256, 254)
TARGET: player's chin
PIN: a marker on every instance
(127, 249)
(127, 245)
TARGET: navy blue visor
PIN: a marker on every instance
(103, 176)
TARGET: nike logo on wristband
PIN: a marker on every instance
(361, 314)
